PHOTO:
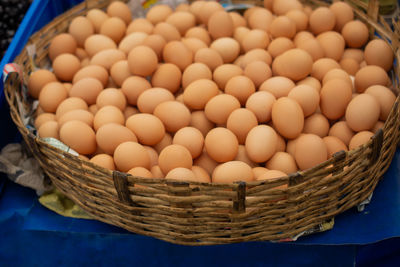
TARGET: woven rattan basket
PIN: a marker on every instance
(201, 213)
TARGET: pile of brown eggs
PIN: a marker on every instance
(207, 95)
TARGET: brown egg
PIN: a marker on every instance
(322, 19)
(193, 44)
(177, 53)
(110, 135)
(311, 81)
(224, 73)
(195, 72)
(333, 145)
(258, 72)
(167, 31)
(260, 103)
(191, 138)
(239, 33)
(166, 141)
(174, 156)
(182, 174)
(260, 19)
(220, 24)
(362, 113)
(51, 95)
(238, 20)
(310, 151)
(77, 114)
(156, 172)
(148, 128)
(378, 52)
(153, 155)
(281, 7)
(316, 124)
(182, 20)
(342, 131)
(307, 97)
(313, 47)
(98, 42)
(158, 13)
(280, 45)
(343, 13)
(173, 114)
(69, 104)
(79, 136)
(206, 162)
(199, 92)
(282, 26)
(44, 117)
(93, 71)
(337, 74)
(240, 87)
(140, 25)
(112, 97)
(208, 9)
(295, 64)
(360, 139)
(287, 117)
(140, 172)
(255, 39)
(155, 42)
(258, 171)
(256, 54)
(200, 122)
(199, 33)
(243, 157)
(114, 28)
(220, 107)
(142, 61)
(80, 28)
(121, 10)
(131, 41)
(65, 66)
(283, 162)
(322, 66)
(104, 160)
(299, 17)
(96, 17)
(261, 143)
(291, 145)
(38, 79)
(86, 88)
(353, 53)
(278, 86)
(221, 144)
(209, 57)
(335, 96)
(228, 48)
(133, 86)
(201, 174)
(368, 76)
(106, 58)
(167, 76)
(302, 36)
(332, 43)
(232, 171)
(152, 97)
(49, 129)
(130, 154)
(119, 72)
(385, 98)
(61, 44)
(350, 65)
(355, 33)
(240, 122)
(108, 114)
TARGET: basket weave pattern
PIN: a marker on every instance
(205, 214)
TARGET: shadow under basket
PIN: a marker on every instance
(193, 213)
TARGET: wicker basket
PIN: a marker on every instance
(206, 214)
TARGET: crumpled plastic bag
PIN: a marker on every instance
(22, 168)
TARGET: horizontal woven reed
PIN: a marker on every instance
(192, 213)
